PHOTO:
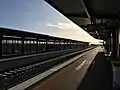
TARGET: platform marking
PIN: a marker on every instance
(43, 75)
(80, 65)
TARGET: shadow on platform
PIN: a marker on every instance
(99, 76)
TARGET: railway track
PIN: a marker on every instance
(14, 76)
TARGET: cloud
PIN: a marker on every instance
(63, 25)
(71, 31)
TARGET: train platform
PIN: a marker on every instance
(91, 72)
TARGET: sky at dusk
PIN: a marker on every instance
(38, 16)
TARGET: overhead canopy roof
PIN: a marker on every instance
(97, 17)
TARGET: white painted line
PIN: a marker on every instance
(31, 81)
(54, 69)
(80, 65)
(43, 75)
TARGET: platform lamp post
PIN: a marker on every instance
(115, 35)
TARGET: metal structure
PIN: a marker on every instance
(16, 43)
(100, 18)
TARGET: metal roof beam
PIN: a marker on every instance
(85, 9)
(82, 15)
